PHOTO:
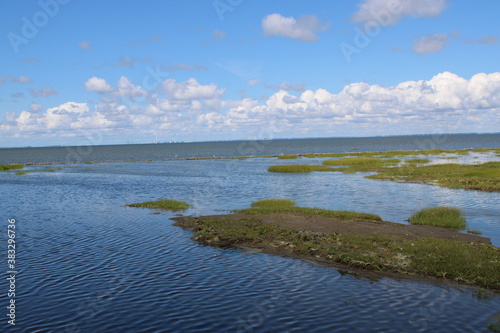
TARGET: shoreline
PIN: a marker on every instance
(354, 153)
(387, 236)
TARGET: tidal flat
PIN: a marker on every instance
(358, 241)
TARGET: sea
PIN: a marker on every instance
(85, 262)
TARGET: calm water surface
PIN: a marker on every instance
(86, 263)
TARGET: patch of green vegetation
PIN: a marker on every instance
(442, 216)
(473, 264)
(494, 327)
(483, 177)
(165, 204)
(362, 161)
(6, 167)
(288, 157)
(20, 173)
(298, 168)
(288, 206)
(273, 203)
(474, 232)
(481, 150)
(362, 164)
(450, 158)
(416, 161)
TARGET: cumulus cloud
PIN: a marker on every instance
(446, 103)
(98, 85)
(44, 92)
(303, 29)
(85, 45)
(191, 89)
(390, 12)
(35, 107)
(125, 88)
(430, 44)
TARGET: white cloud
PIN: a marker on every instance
(446, 103)
(127, 89)
(430, 44)
(389, 12)
(98, 85)
(85, 45)
(35, 107)
(44, 92)
(23, 79)
(304, 29)
(190, 90)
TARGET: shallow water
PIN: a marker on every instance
(88, 264)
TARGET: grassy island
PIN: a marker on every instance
(6, 167)
(356, 241)
(165, 204)
(482, 177)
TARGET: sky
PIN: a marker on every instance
(116, 72)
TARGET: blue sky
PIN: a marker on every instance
(104, 72)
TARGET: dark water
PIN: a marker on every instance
(86, 263)
(246, 148)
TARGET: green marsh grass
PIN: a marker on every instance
(266, 203)
(298, 168)
(276, 206)
(474, 232)
(467, 263)
(165, 204)
(288, 157)
(442, 216)
(483, 177)
(416, 161)
(6, 167)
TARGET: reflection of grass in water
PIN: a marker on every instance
(448, 217)
(298, 168)
(165, 204)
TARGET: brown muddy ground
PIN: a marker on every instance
(332, 225)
